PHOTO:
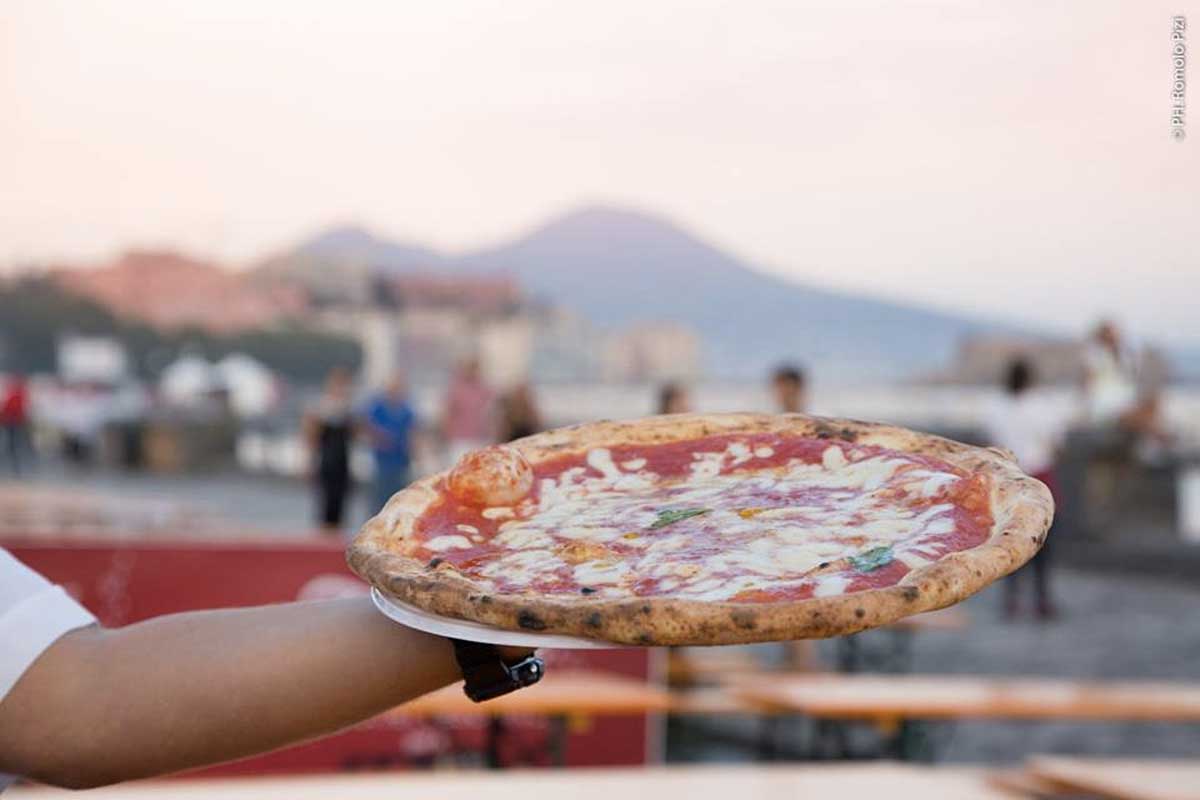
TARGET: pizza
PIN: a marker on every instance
(706, 529)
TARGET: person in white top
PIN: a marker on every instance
(84, 706)
(1022, 423)
(1109, 383)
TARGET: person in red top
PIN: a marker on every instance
(14, 420)
(467, 416)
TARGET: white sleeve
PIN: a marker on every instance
(34, 613)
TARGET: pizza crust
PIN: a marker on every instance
(1021, 507)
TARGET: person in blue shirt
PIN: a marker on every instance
(389, 421)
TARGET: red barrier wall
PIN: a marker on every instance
(123, 582)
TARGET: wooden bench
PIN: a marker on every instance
(1119, 779)
(895, 704)
(869, 697)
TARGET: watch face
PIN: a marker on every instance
(528, 671)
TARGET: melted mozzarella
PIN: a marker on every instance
(600, 460)
(601, 572)
(449, 542)
(834, 512)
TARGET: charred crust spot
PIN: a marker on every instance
(530, 621)
(433, 562)
(909, 593)
(978, 573)
(848, 434)
(860, 613)
(815, 614)
(487, 598)
(594, 619)
(824, 433)
(746, 620)
(645, 638)
(645, 609)
(587, 590)
(823, 565)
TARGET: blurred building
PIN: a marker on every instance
(657, 351)
(983, 360)
(170, 291)
(427, 322)
(92, 359)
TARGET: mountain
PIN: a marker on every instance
(355, 243)
(341, 264)
(618, 266)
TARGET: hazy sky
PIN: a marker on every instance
(1012, 158)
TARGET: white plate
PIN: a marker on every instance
(413, 617)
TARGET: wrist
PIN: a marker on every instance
(510, 653)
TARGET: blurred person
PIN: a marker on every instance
(1145, 423)
(790, 389)
(467, 411)
(673, 399)
(388, 423)
(82, 414)
(1020, 424)
(329, 432)
(84, 706)
(519, 416)
(1109, 385)
(1108, 394)
(14, 421)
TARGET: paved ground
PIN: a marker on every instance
(226, 501)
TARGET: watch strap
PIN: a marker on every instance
(486, 675)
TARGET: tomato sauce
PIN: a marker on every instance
(672, 462)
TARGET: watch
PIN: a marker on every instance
(486, 675)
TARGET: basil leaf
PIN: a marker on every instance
(873, 559)
(667, 517)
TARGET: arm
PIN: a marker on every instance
(179, 691)
(309, 435)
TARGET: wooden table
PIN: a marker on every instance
(845, 782)
(585, 693)
(565, 696)
(898, 697)
(1123, 779)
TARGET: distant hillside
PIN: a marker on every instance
(35, 312)
(171, 291)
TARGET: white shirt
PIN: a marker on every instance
(1111, 389)
(1029, 427)
(34, 613)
